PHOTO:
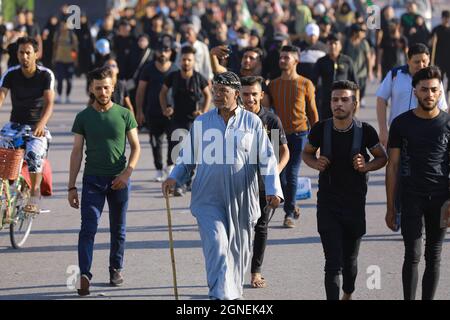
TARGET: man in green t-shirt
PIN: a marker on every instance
(104, 126)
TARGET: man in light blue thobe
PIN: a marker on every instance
(227, 147)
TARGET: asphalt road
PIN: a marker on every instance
(294, 261)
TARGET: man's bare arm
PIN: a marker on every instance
(3, 94)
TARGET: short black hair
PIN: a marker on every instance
(28, 40)
(291, 48)
(445, 14)
(258, 51)
(333, 37)
(427, 73)
(418, 48)
(99, 74)
(188, 49)
(252, 80)
(345, 85)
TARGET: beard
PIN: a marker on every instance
(425, 106)
(186, 69)
(162, 59)
(101, 103)
(342, 115)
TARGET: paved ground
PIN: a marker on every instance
(294, 259)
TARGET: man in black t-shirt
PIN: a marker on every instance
(343, 164)
(148, 107)
(189, 89)
(252, 95)
(332, 67)
(32, 97)
(419, 151)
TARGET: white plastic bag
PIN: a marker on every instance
(303, 188)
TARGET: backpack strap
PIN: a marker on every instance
(357, 137)
(394, 71)
(327, 136)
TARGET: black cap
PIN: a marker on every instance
(445, 14)
(243, 30)
(325, 20)
(254, 32)
(356, 27)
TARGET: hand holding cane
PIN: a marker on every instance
(166, 191)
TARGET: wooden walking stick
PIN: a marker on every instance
(433, 50)
(172, 254)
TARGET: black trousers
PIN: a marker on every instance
(158, 128)
(260, 241)
(340, 232)
(417, 212)
(176, 124)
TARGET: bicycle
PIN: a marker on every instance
(15, 192)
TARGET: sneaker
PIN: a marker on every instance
(178, 192)
(84, 286)
(288, 223)
(115, 278)
(159, 176)
(58, 100)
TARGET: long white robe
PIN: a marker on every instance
(225, 195)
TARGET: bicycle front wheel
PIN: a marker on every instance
(20, 228)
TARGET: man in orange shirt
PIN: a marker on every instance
(293, 99)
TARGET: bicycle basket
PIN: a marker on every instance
(10, 161)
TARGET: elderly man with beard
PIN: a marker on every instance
(343, 164)
(148, 105)
(104, 126)
(419, 152)
(225, 188)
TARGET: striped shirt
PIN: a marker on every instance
(294, 103)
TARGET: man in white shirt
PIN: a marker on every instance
(397, 86)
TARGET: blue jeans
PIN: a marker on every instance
(95, 190)
(296, 143)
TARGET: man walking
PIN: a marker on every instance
(148, 105)
(225, 187)
(189, 90)
(252, 95)
(292, 97)
(397, 88)
(343, 164)
(419, 154)
(333, 67)
(104, 126)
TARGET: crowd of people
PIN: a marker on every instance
(297, 69)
